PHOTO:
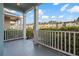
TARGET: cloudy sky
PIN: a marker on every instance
(55, 12)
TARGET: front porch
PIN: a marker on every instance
(27, 48)
(45, 43)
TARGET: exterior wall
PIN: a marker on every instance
(60, 25)
(43, 26)
(77, 23)
(71, 24)
(1, 30)
(53, 25)
(6, 24)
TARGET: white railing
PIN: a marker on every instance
(63, 41)
(13, 34)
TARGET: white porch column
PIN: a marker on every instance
(1, 29)
(24, 25)
(35, 24)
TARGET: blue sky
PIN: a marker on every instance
(55, 12)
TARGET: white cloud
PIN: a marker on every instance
(45, 17)
(64, 7)
(61, 16)
(74, 9)
(53, 17)
(40, 12)
(13, 11)
(31, 15)
(55, 3)
(8, 10)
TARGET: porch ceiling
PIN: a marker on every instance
(21, 7)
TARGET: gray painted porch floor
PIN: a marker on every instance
(26, 48)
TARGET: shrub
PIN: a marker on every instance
(29, 33)
(66, 28)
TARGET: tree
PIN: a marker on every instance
(52, 22)
(78, 19)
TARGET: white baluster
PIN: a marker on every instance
(52, 39)
(65, 42)
(74, 44)
(58, 40)
(69, 42)
(61, 40)
(46, 37)
(55, 39)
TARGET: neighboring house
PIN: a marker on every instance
(72, 23)
(55, 25)
(41, 26)
(10, 21)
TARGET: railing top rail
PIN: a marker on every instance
(60, 31)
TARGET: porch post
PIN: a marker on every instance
(1, 29)
(24, 25)
(35, 24)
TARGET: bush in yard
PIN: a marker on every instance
(29, 33)
(70, 28)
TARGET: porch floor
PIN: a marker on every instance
(26, 48)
